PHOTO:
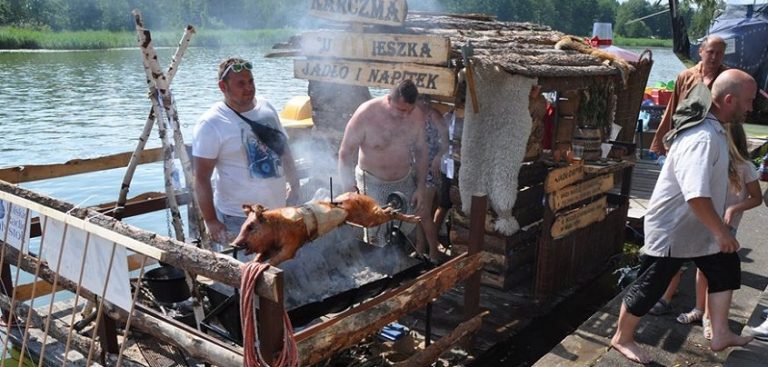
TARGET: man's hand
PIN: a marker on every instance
(217, 230)
(730, 213)
(727, 242)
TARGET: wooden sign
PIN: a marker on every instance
(578, 192)
(380, 47)
(562, 177)
(429, 79)
(579, 218)
(385, 12)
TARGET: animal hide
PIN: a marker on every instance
(494, 142)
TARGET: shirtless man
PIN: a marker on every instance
(685, 215)
(387, 134)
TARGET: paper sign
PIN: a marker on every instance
(14, 225)
(97, 259)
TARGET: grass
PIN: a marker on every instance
(756, 131)
(21, 38)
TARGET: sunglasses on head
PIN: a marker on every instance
(236, 67)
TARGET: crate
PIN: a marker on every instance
(661, 97)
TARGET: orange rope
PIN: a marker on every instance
(289, 356)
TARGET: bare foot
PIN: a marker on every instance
(631, 350)
(730, 340)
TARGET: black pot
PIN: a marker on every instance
(167, 284)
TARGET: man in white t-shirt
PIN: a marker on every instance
(685, 214)
(241, 154)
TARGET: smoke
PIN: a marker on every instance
(317, 163)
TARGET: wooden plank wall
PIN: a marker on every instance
(564, 262)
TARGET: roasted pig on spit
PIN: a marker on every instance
(278, 233)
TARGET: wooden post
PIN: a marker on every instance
(271, 326)
(476, 237)
(108, 337)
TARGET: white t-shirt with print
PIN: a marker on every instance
(246, 170)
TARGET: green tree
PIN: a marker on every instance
(626, 13)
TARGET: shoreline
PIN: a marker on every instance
(23, 39)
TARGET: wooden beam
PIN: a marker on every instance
(421, 49)
(431, 353)
(384, 12)
(476, 237)
(429, 79)
(19, 174)
(321, 341)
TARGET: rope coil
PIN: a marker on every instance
(289, 355)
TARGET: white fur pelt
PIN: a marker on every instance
(493, 143)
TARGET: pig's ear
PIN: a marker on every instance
(247, 209)
(259, 211)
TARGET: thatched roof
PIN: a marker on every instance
(520, 48)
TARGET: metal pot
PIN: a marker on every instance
(167, 284)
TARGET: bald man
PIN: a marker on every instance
(684, 220)
(711, 51)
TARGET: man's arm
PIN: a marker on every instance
(350, 145)
(291, 175)
(705, 211)
(753, 199)
(204, 192)
(666, 124)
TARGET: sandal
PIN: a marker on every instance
(661, 307)
(707, 328)
(690, 316)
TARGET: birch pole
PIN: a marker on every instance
(165, 99)
(134, 162)
(148, 52)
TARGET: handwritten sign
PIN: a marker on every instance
(429, 79)
(381, 47)
(14, 225)
(579, 218)
(562, 177)
(386, 12)
(573, 194)
(73, 253)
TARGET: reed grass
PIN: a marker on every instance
(22, 38)
(642, 42)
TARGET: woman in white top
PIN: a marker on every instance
(743, 194)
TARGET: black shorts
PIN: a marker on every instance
(723, 272)
(444, 193)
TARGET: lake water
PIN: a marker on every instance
(57, 106)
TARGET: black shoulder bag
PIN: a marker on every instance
(274, 139)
